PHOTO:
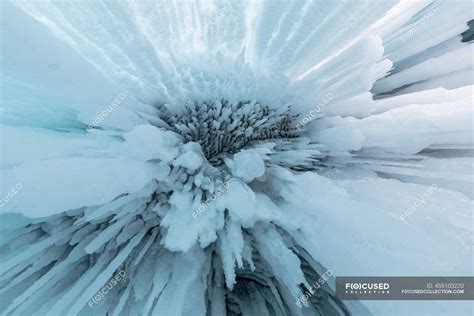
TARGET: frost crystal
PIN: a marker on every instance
(223, 128)
(232, 158)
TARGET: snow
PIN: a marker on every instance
(246, 165)
(241, 202)
(51, 186)
(378, 182)
(147, 142)
(190, 159)
(435, 233)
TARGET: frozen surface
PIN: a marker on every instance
(367, 110)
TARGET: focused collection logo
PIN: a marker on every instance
(367, 288)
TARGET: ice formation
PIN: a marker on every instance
(205, 187)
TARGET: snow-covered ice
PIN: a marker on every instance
(379, 182)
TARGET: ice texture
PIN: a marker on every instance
(241, 151)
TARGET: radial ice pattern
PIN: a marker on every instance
(259, 147)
